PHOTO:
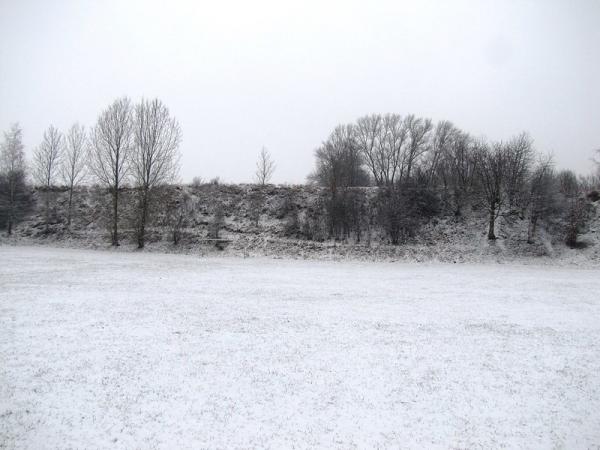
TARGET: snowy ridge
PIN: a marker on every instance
(443, 239)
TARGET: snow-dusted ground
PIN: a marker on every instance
(137, 350)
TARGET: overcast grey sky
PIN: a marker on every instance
(242, 74)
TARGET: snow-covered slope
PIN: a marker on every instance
(444, 238)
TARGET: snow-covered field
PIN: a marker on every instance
(137, 350)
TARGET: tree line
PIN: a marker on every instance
(421, 168)
(417, 169)
(129, 143)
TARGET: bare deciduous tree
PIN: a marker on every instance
(12, 169)
(46, 165)
(339, 167)
(541, 194)
(502, 173)
(339, 161)
(392, 149)
(418, 133)
(444, 136)
(265, 167)
(381, 140)
(491, 172)
(110, 151)
(74, 162)
(578, 209)
(368, 135)
(156, 154)
(519, 156)
(461, 167)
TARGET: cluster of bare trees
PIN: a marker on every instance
(139, 144)
(419, 168)
(415, 163)
(134, 145)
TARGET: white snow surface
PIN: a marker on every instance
(103, 349)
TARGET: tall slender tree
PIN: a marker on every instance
(491, 173)
(46, 165)
(12, 169)
(155, 158)
(74, 162)
(110, 153)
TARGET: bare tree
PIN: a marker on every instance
(74, 162)
(391, 148)
(265, 167)
(502, 174)
(542, 187)
(578, 210)
(381, 140)
(339, 167)
(46, 165)
(12, 169)
(491, 173)
(110, 151)
(519, 157)
(568, 184)
(156, 155)
(367, 133)
(418, 132)
(574, 204)
(462, 164)
(339, 161)
(444, 136)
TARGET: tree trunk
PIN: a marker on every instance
(491, 234)
(531, 229)
(143, 216)
(11, 208)
(70, 205)
(115, 224)
(47, 198)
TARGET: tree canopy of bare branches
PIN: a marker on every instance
(542, 187)
(110, 153)
(74, 163)
(368, 135)
(12, 171)
(418, 132)
(47, 157)
(519, 157)
(265, 167)
(46, 164)
(155, 158)
(491, 172)
(339, 161)
(502, 170)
